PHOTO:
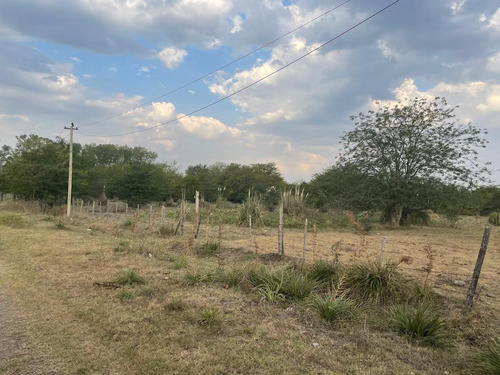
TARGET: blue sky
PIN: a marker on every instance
(84, 61)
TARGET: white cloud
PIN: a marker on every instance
(172, 57)
(494, 63)
(237, 22)
(386, 50)
(494, 21)
(75, 59)
(22, 118)
(210, 128)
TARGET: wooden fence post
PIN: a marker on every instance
(469, 300)
(305, 242)
(281, 247)
(381, 255)
(251, 236)
(93, 207)
(162, 216)
(150, 214)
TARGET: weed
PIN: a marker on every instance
(13, 220)
(251, 207)
(126, 294)
(488, 359)
(180, 261)
(419, 323)
(127, 223)
(129, 277)
(209, 248)
(61, 225)
(122, 247)
(176, 304)
(210, 317)
(494, 218)
(332, 308)
(166, 230)
(192, 277)
(376, 281)
(228, 277)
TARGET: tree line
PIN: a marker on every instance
(399, 160)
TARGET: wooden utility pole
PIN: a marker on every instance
(469, 300)
(70, 172)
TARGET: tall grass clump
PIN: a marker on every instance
(488, 359)
(333, 308)
(229, 277)
(129, 277)
(327, 273)
(268, 284)
(254, 207)
(210, 317)
(380, 282)
(296, 286)
(294, 201)
(419, 323)
(209, 248)
(13, 220)
(494, 218)
(192, 277)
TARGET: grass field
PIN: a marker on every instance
(62, 277)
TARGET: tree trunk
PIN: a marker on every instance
(396, 215)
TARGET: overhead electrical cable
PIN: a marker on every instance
(216, 70)
(253, 83)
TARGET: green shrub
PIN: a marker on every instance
(419, 323)
(268, 284)
(252, 206)
(61, 225)
(129, 277)
(488, 359)
(332, 308)
(377, 281)
(13, 220)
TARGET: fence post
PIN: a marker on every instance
(469, 300)
(162, 216)
(250, 228)
(382, 250)
(305, 242)
(281, 247)
(150, 214)
(93, 207)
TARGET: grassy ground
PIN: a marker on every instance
(61, 275)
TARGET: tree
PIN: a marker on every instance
(404, 146)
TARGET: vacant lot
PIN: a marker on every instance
(58, 283)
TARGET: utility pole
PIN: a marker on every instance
(70, 172)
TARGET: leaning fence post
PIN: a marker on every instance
(250, 232)
(469, 300)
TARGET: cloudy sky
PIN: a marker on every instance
(85, 61)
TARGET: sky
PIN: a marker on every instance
(106, 65)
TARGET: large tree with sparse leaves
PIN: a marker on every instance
(406, 145)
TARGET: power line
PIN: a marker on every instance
(253, 83)
(216, 70)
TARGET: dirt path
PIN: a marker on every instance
(17, 354)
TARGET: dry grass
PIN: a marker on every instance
(156, 329)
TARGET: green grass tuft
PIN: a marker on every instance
(192, 277)
(209, 248)
(129, 277)
(332, 308)
(210, 317)
(419, 323)
(378, 282)
(488, 359)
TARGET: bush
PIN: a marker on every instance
(494, 218)
(228, 277)
(376, 281)
(267, 284)
(129, 277)
(419, 323)
(254, 207)
(333, 308)
(13, 220)
(488, 359)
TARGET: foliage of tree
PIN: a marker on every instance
(406, 147)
